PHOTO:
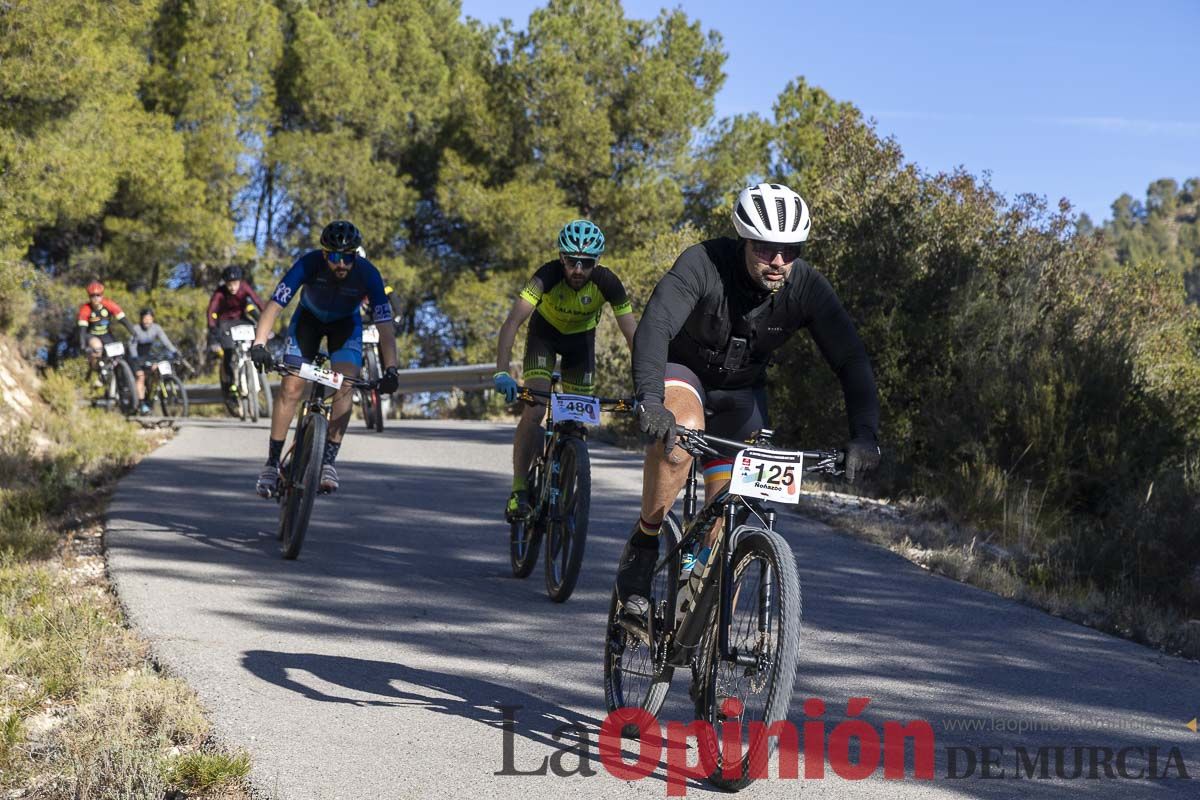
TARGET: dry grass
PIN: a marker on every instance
(83, 710)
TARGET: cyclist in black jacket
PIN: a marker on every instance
(701, 351)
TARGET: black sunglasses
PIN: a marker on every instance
(765, 251)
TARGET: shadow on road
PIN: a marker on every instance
(412, 556)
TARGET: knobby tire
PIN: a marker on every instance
(636, 675)
(124, 388)
(525, 536)
(303, 484)
(766, 694)
(172, 396)
(566, 529)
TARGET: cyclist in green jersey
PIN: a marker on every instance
(568, 296)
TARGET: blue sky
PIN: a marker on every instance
(1059, 98)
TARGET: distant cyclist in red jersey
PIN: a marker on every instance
(95, 320)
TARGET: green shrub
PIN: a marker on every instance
(17, 279)
(1038, 395)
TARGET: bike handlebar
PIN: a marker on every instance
(620, 404)
(356, 383)
(699, 443)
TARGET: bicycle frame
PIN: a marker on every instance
(316, 403)
(687, 632)
(243, 355)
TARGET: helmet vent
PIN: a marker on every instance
(780, 213)
(761, 208)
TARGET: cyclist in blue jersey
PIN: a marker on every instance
(333, 279)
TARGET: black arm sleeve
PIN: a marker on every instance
(667, 310)
(835, 335)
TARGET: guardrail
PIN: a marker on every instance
(467, 378)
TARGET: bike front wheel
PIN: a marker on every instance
(172, 396)
(302, 483)
(525, 535)
(566, 529)
(764, 634)
(636, 672)
(263, 395)
(247, 390)
(124, 388)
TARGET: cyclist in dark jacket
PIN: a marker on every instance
(233, 302)
(701, 352)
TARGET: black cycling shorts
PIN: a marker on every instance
(544, 342)
(306, 331)
(728, 413)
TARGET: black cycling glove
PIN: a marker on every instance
(261, 356)
(390, 381)
(657, 423)
(861, 457)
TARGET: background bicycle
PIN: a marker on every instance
(164, 389)
(250, 389)
(731, 613)
(559, 486)
(116, 378)
(371, 400)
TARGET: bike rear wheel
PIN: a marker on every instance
(124, 388)
(636, 672)
(525, 536)
(377, 401)
(302, 484)
(172, 396)
(764, 624)
(567, 524)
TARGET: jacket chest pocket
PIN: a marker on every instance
(711, 326)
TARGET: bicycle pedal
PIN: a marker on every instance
(634, 626)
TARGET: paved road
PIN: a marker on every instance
(377, 665)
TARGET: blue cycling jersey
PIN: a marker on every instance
(328, 298)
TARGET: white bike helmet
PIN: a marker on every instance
(771, 212)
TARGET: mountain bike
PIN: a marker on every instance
(560, 488)
(372, 401)
(164, 388)
(120, 388)
(300, 467)
(734, 618)
(250, 388)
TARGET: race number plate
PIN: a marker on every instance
(242, 333)
(576, 408)
(164, 368)
(325, 377)
(768, 474)
(114, 349)
(370, 335)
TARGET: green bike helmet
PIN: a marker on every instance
(581, 237)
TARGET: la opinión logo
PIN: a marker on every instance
(692, 748)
